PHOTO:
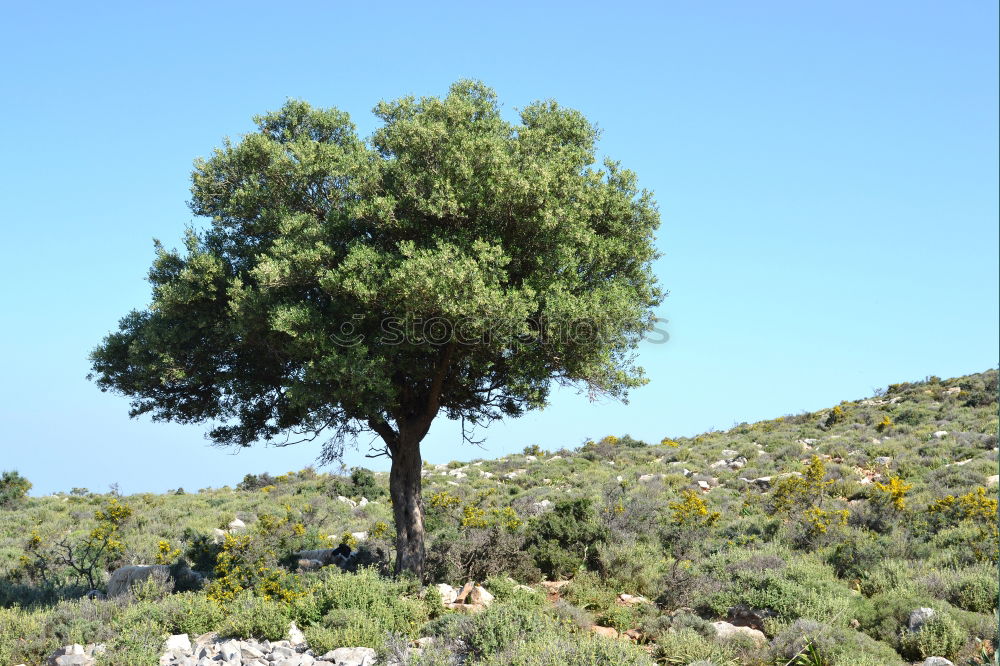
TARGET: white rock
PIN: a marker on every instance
(360, 536)
(363, 502)
(936, 661)
(447, 592)
(530, 458)
(993, 480)
(351, 656)
(704, 486)
(295, 635)
(940, 433)
(236, 524)
(178, 642)
(726, 630)
(346, 500)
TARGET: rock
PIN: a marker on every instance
(351, 656)
(650, 477)
(725, 630)
(236, 524)
(425, 641)
(179, 642)
(704, 486)
(936, 661)
(74, 660)
(544, 505)
(606, 632)
(918, 618)
(250, 651)
(632, 599)
(992, 481)
(360, 536)
(464, 592)
(954, 390)
(940, 433)
(347, 500)
(883, 460)
(230, 650)
(363, 502)
(479, 596)
(218, 536)
(530, 458)
(447, 592)
(729, 454)
(282, 652)
(295, 635)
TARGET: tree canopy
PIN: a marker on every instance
(453, 262)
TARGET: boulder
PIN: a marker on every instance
(606, 632)
(726, 630)
(632, 599)
(940, 434)
(447, 592)
(347, 500)
(992, 481)
(479, 596)
(295, 635)
(351, 656)
(363, 502)
(179, 642)
(918, 618)
(936, 661)
(464, 592)
(236, 524)
(123, 578)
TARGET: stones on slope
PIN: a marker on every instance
(937, 661)
(210, 649)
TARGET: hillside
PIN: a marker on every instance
(823, 536)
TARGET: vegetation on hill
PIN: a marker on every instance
(823, 530)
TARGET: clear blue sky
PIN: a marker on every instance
(827, 175)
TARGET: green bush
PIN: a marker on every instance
(940, 636)
(505, 624)
(836, 646)
(569, 650)
(342, 628)
(563, 540)
(190, 613)
(975, 590)
(249, 616)
(13, 488)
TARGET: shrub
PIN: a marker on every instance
(571, 650)
(563, 540)
(504, 624)
(190, 613)
(975, 590)
(835, 646)
(686, 645)
(249, 616)
(13, 489)
(341, 627)
(940, 636)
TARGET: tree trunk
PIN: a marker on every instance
(404, 488)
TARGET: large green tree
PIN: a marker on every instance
(454, 262)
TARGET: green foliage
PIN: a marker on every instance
(506, 234)
(564, 539)
(250, 616)
(13, 488)
(940, 636)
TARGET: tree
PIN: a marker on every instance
(454, 262)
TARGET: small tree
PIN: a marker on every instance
(13, 488)
(454, 263)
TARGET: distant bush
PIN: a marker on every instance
(13, 488)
